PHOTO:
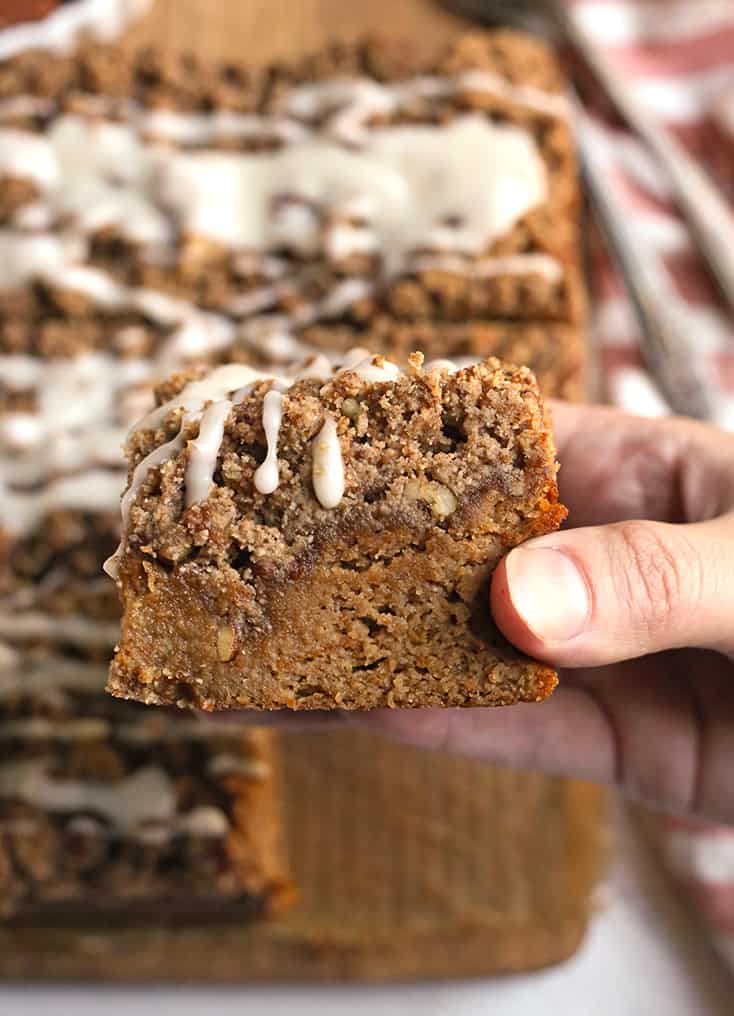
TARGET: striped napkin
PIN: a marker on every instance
(678, 58)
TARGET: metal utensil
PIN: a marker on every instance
(669, 354)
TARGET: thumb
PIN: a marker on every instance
(603, 594)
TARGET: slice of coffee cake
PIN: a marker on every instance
(327, 541)
(110, 811)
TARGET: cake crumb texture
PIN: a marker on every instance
(270, 600)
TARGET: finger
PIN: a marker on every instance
(593, 596)
(615, 466)
(672, 717)
(661, 728)
(565, 734)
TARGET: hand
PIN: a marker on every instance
(622, 604)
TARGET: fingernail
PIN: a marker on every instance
(548, 592)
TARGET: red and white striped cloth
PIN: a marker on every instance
(678, 58)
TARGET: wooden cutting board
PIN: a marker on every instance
(411, 865)
(256, 31)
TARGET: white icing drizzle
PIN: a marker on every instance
(454, 365)
(33, 677)
(408, 179)
(256, 300)
(372, 368)
(548, 267)
(71, 629)
(218, 384)
(40, 728)
(34, 217)
(158, 457)
(441, 364)
(200, 129)
(343, 241)
(327, 467)
(353, 102)
(104, 173)
(205, 821)
(107, 294)
(24, 256)
(318, 366)
(145, 796)
(272, 333)
(84, 407)
(266, 474)
(221, 765)
(555, 104)
(79, 420)
(204, 450)
(271, 339)
(353, 357)
(115, 107)
(29, 156)
(141, 806)
(355, 99)
(210, 401)
(339, 299)
(223, 381)
(61, 29)
(47, 680)
(94, 490)
(151, 730)
(96, 172)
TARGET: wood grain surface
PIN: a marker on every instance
(411, 865)
(255, 31)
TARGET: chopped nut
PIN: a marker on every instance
(225, 643)
(440, 499)
(415, 363)
(444, 502)
(150, 577)
(350, 408)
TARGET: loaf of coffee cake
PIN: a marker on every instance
(328, 541)
(160, 217)
(440, 187)
(109, 811)
(154, 216)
